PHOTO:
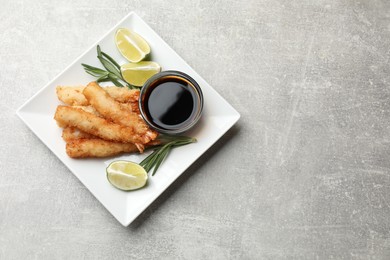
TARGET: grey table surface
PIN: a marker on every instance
(304, 174)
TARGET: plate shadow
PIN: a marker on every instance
(193, 169)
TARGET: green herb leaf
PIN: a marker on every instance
(112, 72)
(103, 77)
(96, 72)
(111, 59)
(111, 68)
(99, 51)
(89, 67)
(156, 158)
(107, 79)
(114, 80)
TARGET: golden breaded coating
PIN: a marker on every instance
(92, 124)
(112, 110)
(73, 96)
(102, 122)
(81, 144)
(123, 95)
(132, 106)
(89, 109)
(92, 110)
(127, 106)
(82, 148)
(72, 133)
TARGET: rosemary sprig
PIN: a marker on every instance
(154, 160)
(112, 72)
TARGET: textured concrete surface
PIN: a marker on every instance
(305, 174)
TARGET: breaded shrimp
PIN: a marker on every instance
(123, 95)
(112, 110)
(80, 144)
(82, 148)
(92, 124)
(73, 96)
(72, 133)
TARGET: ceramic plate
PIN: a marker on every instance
(38, 113)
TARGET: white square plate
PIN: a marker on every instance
(38, 114)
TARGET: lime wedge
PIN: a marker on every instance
(138, 73)
(126, 175)
(131, 45)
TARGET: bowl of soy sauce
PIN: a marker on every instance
(171, 102)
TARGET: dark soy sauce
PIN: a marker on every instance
(171, 102)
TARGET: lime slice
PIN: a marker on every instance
(138, 73)
(126, 175)
(131, 45)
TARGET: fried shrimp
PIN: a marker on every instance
(73, 96)
(123, 95)
(112, 110)
(82, 148)
(94, 125)
(92, 110)
(100, 122)
(80, 144)
(89, 109)
(72, 133)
